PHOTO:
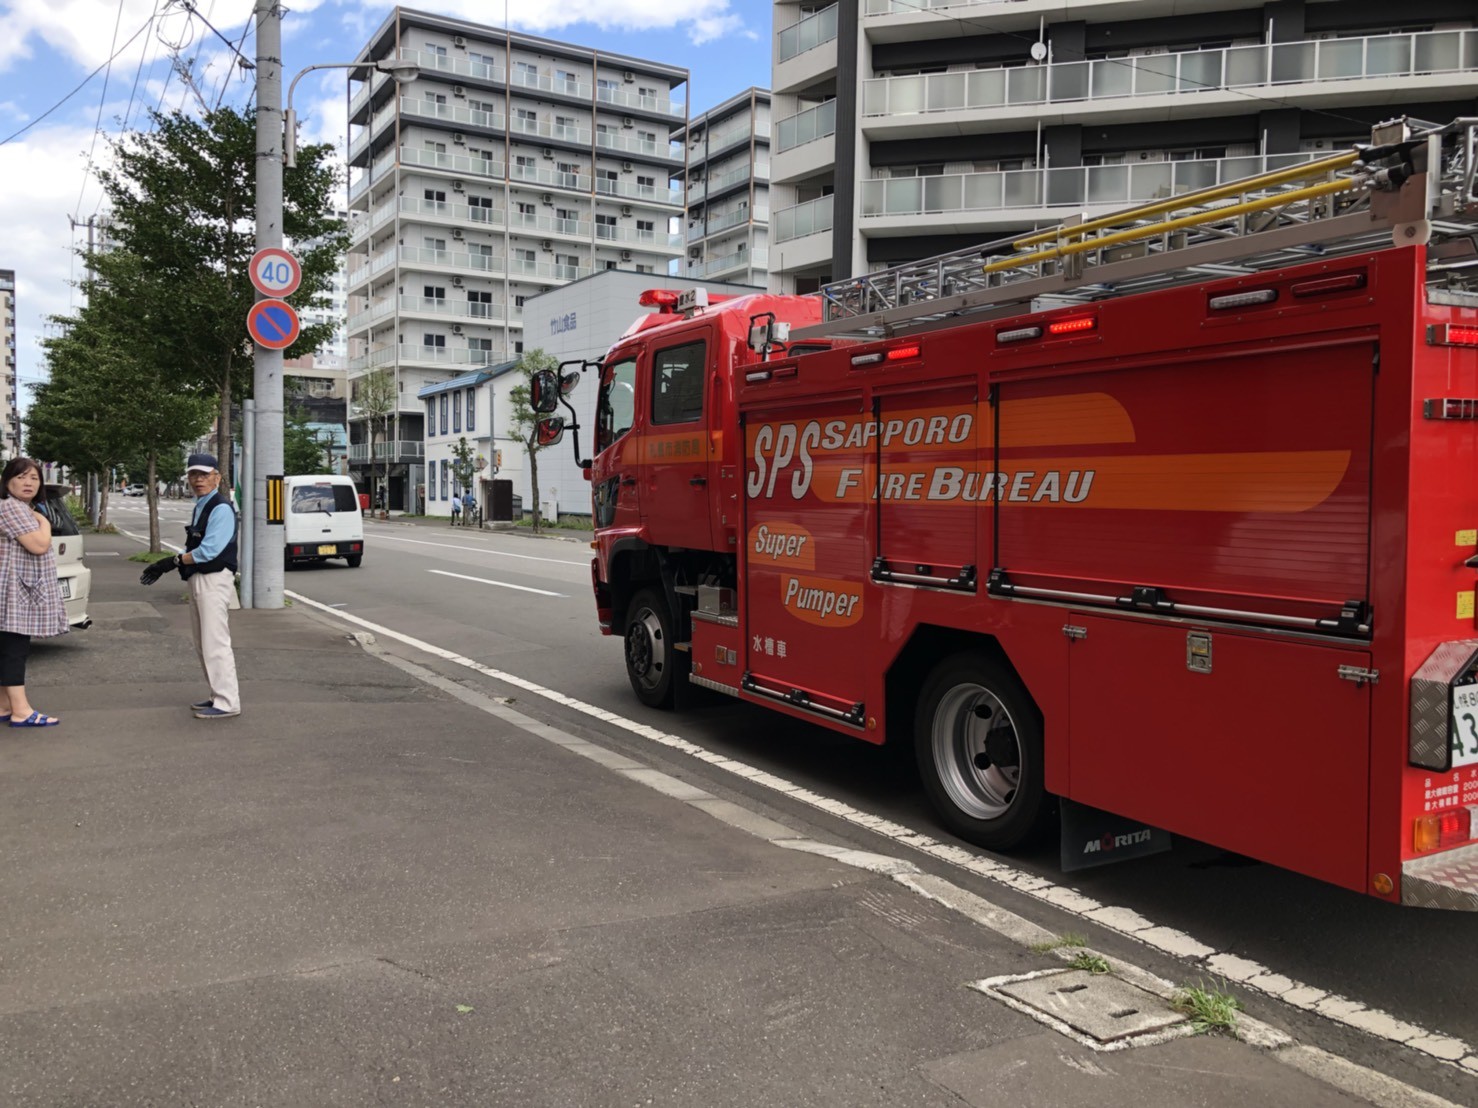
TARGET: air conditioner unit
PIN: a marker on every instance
(459, 90)
(546, 245)
(549, 151)
(456, 232)
(456, 282)
(628, 76)
(626, 255)
(547, 198)
(626, 167)
(627, 121)
(459, 138)
(695, 252)
(456, 328)
(458, 186)
(625, 209)
(458, 40)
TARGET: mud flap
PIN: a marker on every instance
(1091, 837)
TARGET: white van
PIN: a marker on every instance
(323, 520)
(74, 578)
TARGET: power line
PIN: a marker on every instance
(97, 126)
(80, 86)
(226, 78)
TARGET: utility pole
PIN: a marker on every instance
(266, 542)
(90, 487)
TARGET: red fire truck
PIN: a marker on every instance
(1171, 514)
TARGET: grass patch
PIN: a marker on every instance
(151, 555)
(566, 523)
(1090, 962)
(1065, 940)
(1211, 1009)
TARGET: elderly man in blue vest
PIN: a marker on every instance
(208, 566)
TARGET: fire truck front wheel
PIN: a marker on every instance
(978, 740)
(652, 662)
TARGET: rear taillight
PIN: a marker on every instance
(1443, 829)
(1452, 334)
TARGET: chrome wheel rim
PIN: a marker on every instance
(977, 749)
(646, 649)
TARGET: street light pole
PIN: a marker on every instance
(266, 544)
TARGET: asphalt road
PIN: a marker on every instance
(523, 606)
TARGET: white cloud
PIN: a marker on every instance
(80, 30)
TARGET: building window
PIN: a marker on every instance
(605, 226)
(431, 417)
(610, 264)
(482, 351)
(479, 304)
(431, 484)
(471, 409)
(524, 255)
(480, 209)
(435, 147)
(640, 268)
(445, 466)
(434, 292)
(566, 78)
(438, 341)
(529, 210)
(443, 413)
(646, 228)
(439, 51)
(527, 117)
(436, 98)
(436, 196)
(457, 413)
(433, 243)
(526, 70)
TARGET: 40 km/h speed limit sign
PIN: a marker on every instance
(275, 272)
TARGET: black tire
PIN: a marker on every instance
(654, 665)
(354, 560)
(978, 744)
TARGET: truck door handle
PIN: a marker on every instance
(696, 481)
(628, 481)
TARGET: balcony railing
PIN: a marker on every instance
(454, 213)
(808, 34)
(560, 85)
(398, 450)
(449, 355)
(548, 271)
(645, 148)
(555, 178)
(745, 259)
(453, 309)
(451, 113)
(454, 163)
(697, 190)
(622, 98)
(548, 223)
(443, 63)
(1187, 73)
(543, 128)
(813, 123)
(810, 218)
(376, 312)
(650, 193)
(717, 223)
(454, 259)
(1073, 186)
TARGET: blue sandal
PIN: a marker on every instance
(35, 719)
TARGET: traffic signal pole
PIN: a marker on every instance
(266, 542)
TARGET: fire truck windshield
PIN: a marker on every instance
(616, 404)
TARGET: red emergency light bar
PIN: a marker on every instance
(666, 299)
(1073, 326)
(1453, 334)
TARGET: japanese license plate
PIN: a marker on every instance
(330, 549)
(66, 584)
(1464, 725)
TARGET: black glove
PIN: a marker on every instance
(158, 569)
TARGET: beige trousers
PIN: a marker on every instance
(210, 598)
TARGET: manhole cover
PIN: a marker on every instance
(1102, 1007)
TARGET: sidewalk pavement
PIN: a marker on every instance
(364, 890)
(566, 533)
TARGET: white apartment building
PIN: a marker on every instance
(907, 128)
(511, 165)
(10, 419)
(727, 184)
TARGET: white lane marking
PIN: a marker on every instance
(1120, 920)
(500, 584)
(481, 550)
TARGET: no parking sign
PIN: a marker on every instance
(273, 324)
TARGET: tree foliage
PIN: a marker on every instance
(183, 201)
(464, 463)
(373, 395)
(302, 449)
(524, 421)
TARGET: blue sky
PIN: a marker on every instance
(51, 46)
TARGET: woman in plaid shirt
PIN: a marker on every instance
(30, 598)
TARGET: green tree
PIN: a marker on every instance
(524, 421)
(183, 196)
(373, 395)
(464, 463)
(302, 450)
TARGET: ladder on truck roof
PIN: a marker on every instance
(1413, 184)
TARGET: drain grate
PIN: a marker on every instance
(1100, 1010)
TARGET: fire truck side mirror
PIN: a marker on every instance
(544, 391)
(568, 382)
(551, 430)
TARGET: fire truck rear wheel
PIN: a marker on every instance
(978, 741)
(652, 662)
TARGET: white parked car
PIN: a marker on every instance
(66, 543)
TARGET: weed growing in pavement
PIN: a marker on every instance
(1065, 939)
(1211, 1009)
(1090, 963)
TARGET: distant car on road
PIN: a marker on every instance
(134, 490)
